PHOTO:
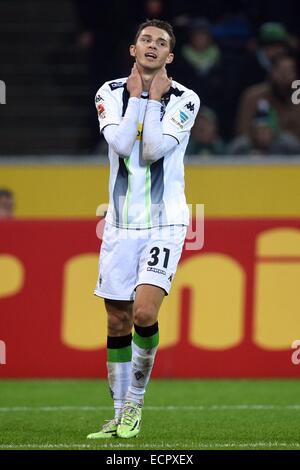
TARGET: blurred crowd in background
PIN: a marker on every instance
(240, 56)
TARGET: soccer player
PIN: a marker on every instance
(146, 120)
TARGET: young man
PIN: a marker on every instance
(146, 120)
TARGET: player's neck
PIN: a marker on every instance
(147, 77)
(147, 80)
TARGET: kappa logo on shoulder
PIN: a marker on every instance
(190, 106)
(115, 85)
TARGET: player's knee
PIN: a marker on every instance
(118, 323)
(144, 315)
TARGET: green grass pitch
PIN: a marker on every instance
(194, 414)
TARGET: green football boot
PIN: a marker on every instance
(109, 429)
(130, 423)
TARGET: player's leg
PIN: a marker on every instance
(144, 346)
(145, 339)
(157, 268)
(116, 282)
(158, 265)
(119, 337)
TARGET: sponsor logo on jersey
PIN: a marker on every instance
(98, 99)
(180, 119)
(140, 131)
(115, 85)
(157, 271)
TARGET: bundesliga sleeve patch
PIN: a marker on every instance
(180, 119)
(101, 110)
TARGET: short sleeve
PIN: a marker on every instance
(107, 106)
(180, 117)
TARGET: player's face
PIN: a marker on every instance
(152, 49)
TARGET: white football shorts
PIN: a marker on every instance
(130, 257)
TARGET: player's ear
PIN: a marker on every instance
(132, 50)
(170, 58)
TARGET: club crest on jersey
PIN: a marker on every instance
(180, 119)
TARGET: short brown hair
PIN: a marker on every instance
(161, 25)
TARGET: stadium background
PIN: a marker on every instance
(234, 308)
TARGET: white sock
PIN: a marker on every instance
(142, 363)
(119, 375)
(119, 368)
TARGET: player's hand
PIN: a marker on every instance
(134, 83)
(160, 85)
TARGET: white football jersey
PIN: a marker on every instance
(144, 194)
